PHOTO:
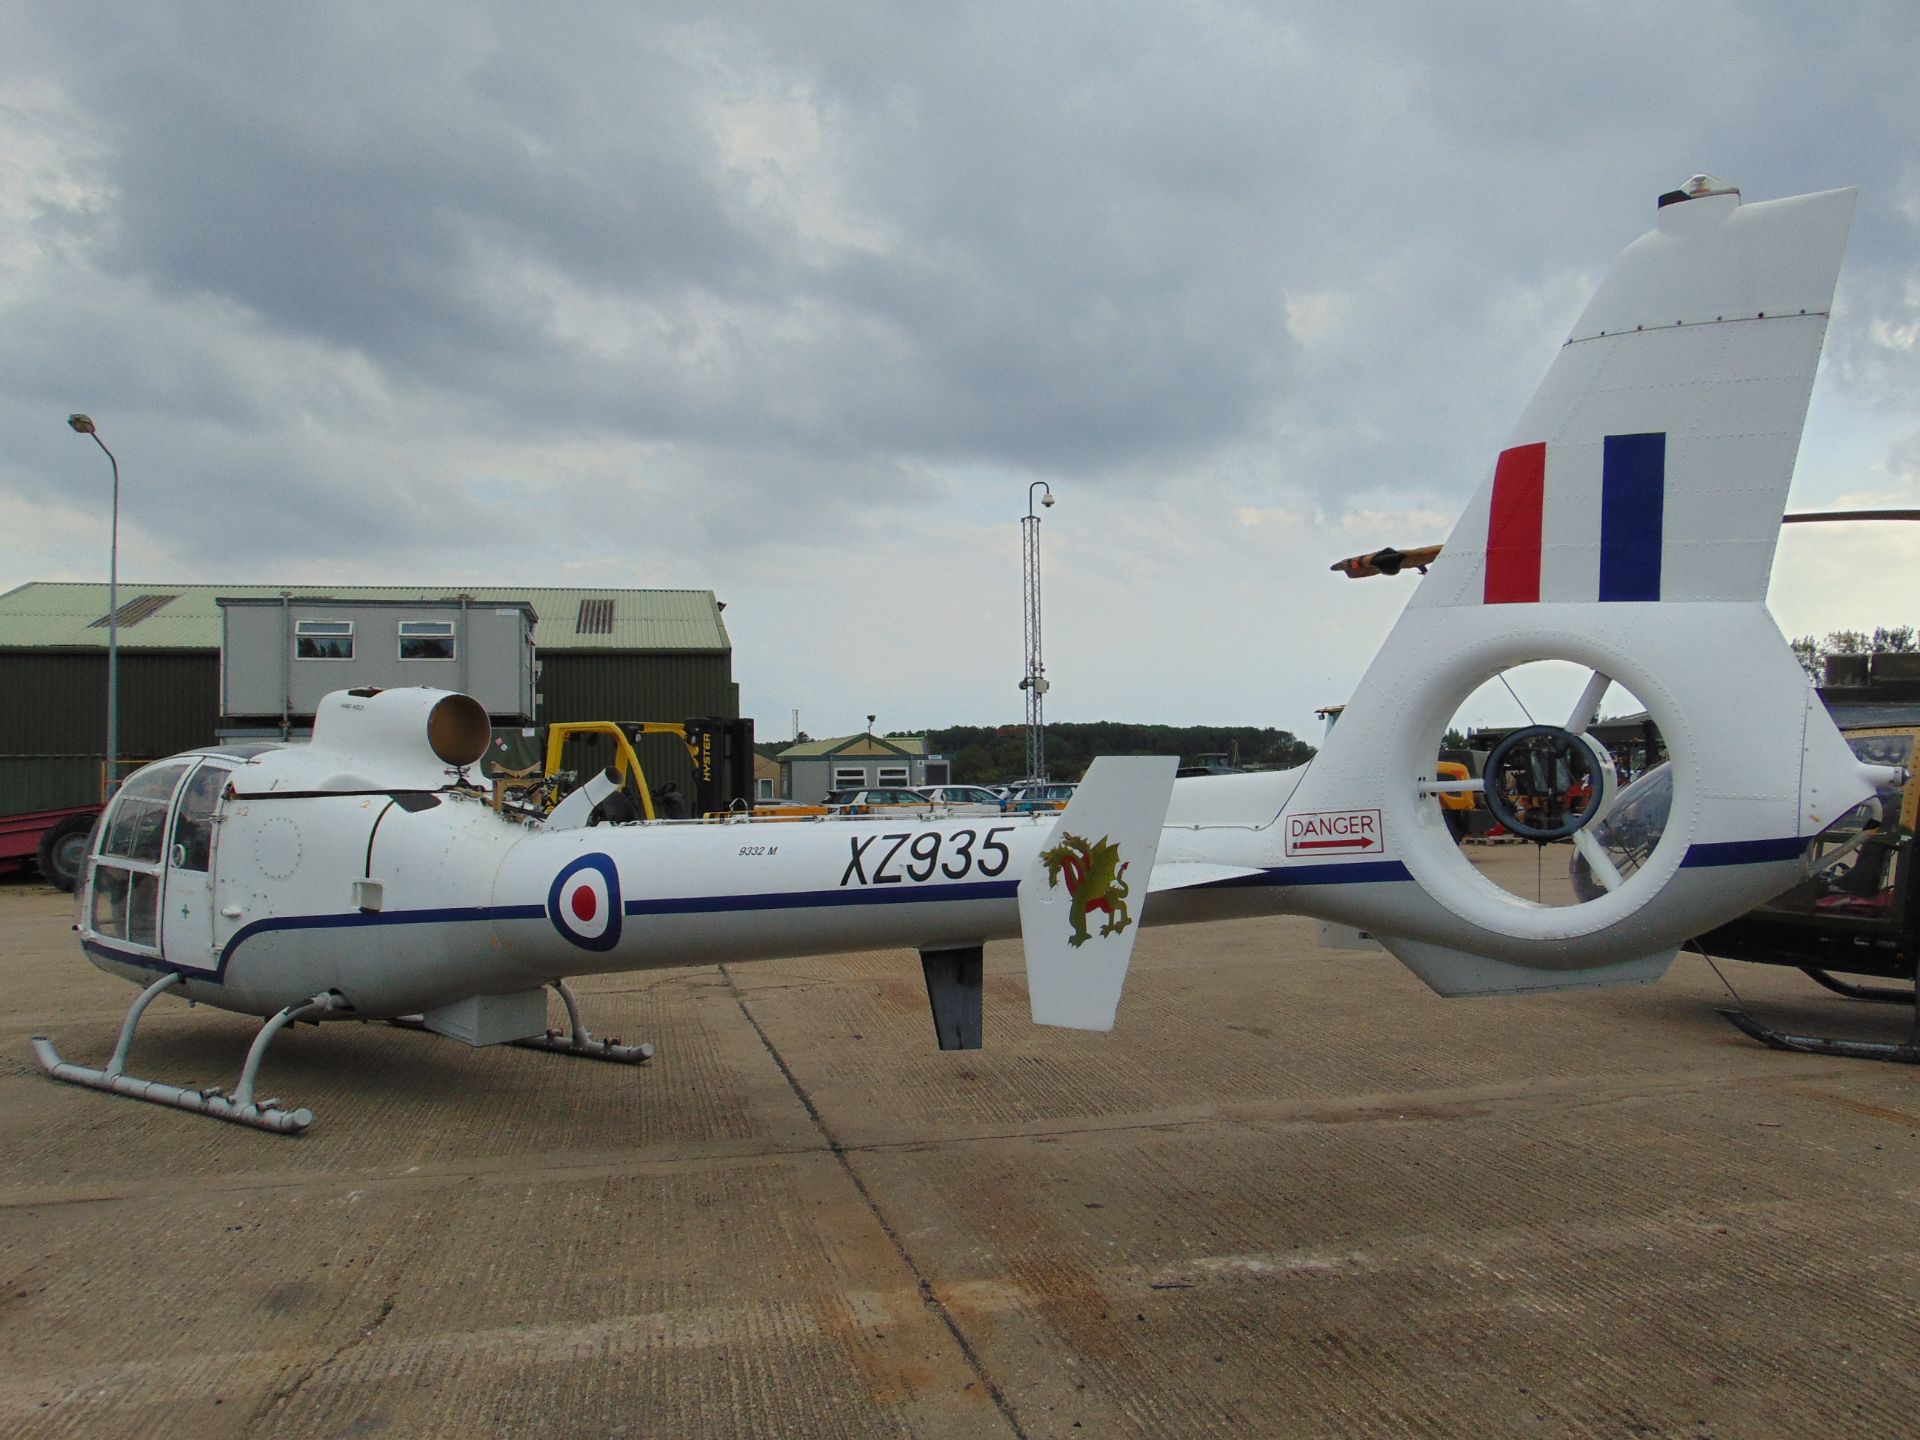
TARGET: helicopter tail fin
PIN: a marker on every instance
(1082, 899)
(1628, 526)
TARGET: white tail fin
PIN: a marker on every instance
(1082, 900)
(1654, 460)
(1628, 526)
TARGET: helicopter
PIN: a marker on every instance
(1627, 526)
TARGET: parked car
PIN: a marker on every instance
(1027, 799)
(965, 799)
(863, 802)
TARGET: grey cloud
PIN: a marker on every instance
(1062, 240)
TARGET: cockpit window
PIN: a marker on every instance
(125, 903)
(193, 822)
(137, 828)
(1852, 861)
(1855, 862)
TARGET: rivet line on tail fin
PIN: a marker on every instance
(1691, 325)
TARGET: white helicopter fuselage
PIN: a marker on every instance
(403, 910)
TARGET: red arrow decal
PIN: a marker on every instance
(1363, 843)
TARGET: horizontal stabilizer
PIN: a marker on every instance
(1454, 972)
(1082, 898)
(1185, 874)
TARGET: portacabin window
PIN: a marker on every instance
(323, 639)
(426, 640)
(893, 775)
(849, 777)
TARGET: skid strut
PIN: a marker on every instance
(579, 1040)
(575, 1040)
(1884, 993)
(240, 1107)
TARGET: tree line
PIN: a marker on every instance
(985, 754)
(1885, 640)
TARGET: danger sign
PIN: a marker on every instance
(1335, 833)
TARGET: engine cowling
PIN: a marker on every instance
(412, 737)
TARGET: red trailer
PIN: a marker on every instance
(53, 840)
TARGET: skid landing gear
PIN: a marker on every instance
(1900, 1053)
(579, 1040)
(576, 1039)
(239, 1107)
(1907, 1053)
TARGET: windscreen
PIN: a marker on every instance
(1851, 861)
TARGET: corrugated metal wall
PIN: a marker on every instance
(589, 686)
(53, 728)
(586, 686)
(48, 782)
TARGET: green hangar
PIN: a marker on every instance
(202, 660)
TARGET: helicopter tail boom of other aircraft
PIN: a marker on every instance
(1628, 526)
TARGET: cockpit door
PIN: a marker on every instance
(187, 925)
(128, 868)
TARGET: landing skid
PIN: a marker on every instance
(239, 1107)
(576, 1039)
(1907, 1053)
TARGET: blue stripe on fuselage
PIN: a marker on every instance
(1743, 852)
(818, 899)
(1364, 872)
(1357, 872)
(690, 905)
(355, 919)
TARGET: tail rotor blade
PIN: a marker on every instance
(1588, 705)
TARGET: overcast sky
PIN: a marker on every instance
(794, 301)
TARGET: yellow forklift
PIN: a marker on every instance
(721, 749)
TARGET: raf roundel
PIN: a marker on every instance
(584, 902)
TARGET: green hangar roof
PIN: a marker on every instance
(61, 615)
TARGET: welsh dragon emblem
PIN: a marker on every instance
(1095, 876)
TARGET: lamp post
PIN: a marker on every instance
(84, 425)
(1035, 680)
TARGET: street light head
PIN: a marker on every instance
(1046, 499)
(81, 423)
